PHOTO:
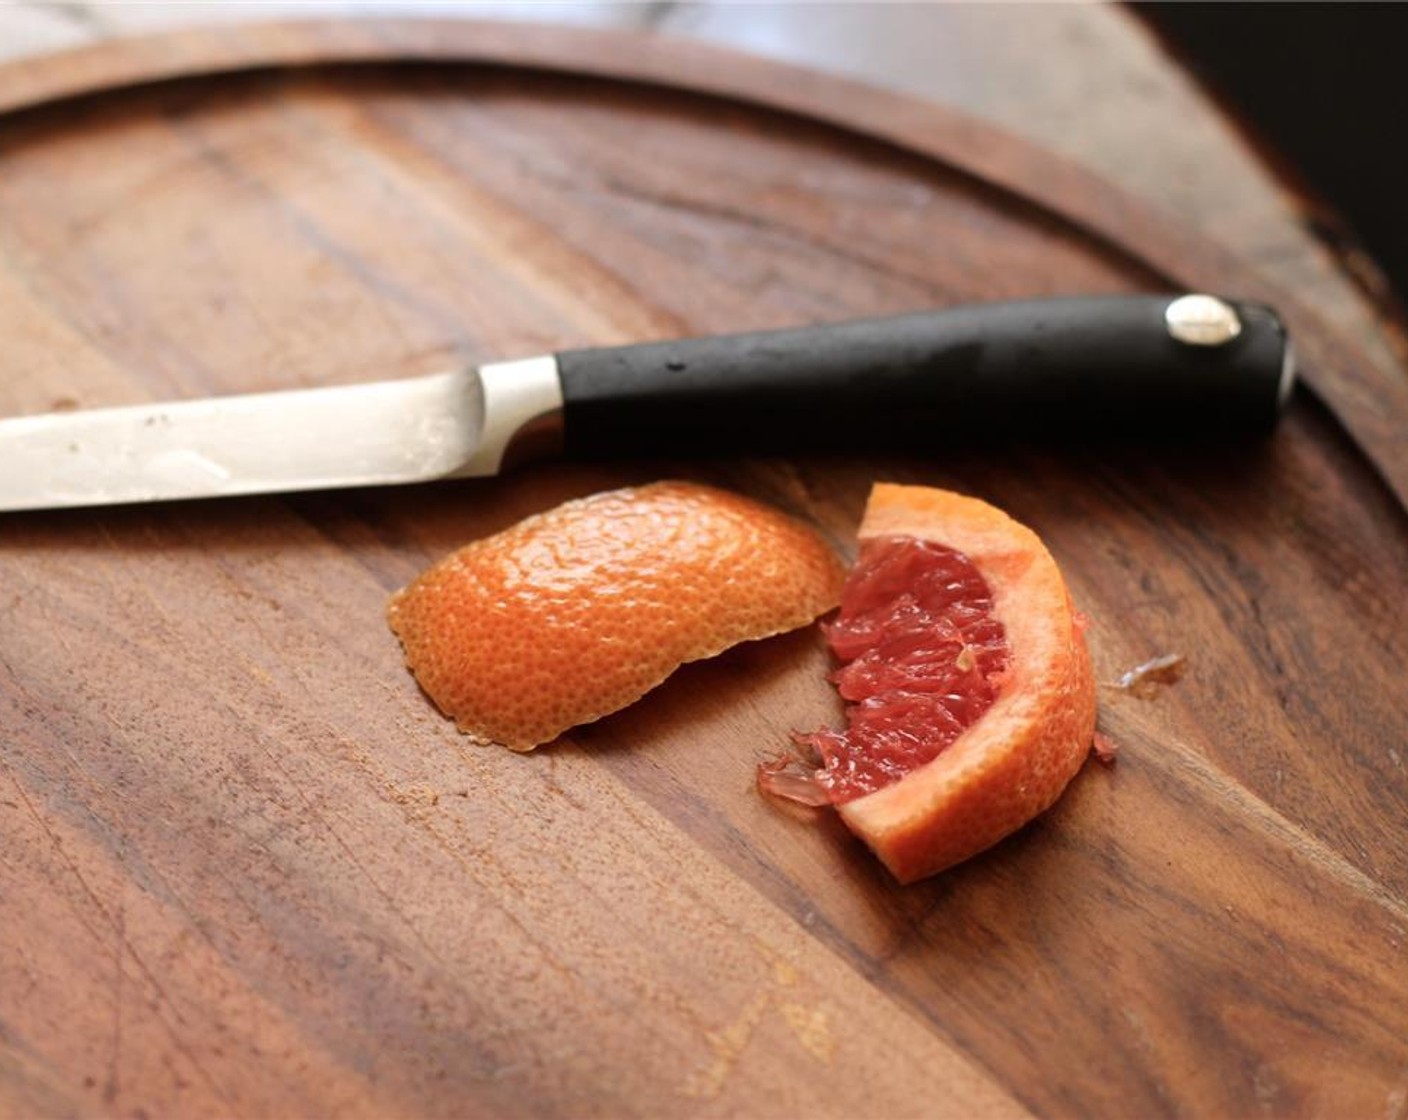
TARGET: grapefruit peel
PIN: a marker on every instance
(1013, 762)
(579, 611)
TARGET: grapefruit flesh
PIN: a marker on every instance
(579, 611)
(971, 699)
(925, 658)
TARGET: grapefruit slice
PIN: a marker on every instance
(971, 699)
(577, 612)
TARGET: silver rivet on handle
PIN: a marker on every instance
(1202, 320)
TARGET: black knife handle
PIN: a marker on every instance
(1098, 365)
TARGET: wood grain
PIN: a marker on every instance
(247, 870)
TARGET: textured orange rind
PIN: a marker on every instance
(577, 612)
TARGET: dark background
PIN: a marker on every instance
(1323, 89)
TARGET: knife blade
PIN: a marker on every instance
(1136, 365)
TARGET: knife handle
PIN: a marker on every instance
(1105, 365)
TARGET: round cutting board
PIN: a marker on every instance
(245, 867)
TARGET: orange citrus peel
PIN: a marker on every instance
(579, 611)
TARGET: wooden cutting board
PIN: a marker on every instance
(245, 869)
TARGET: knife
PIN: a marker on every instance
(1130, 366)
